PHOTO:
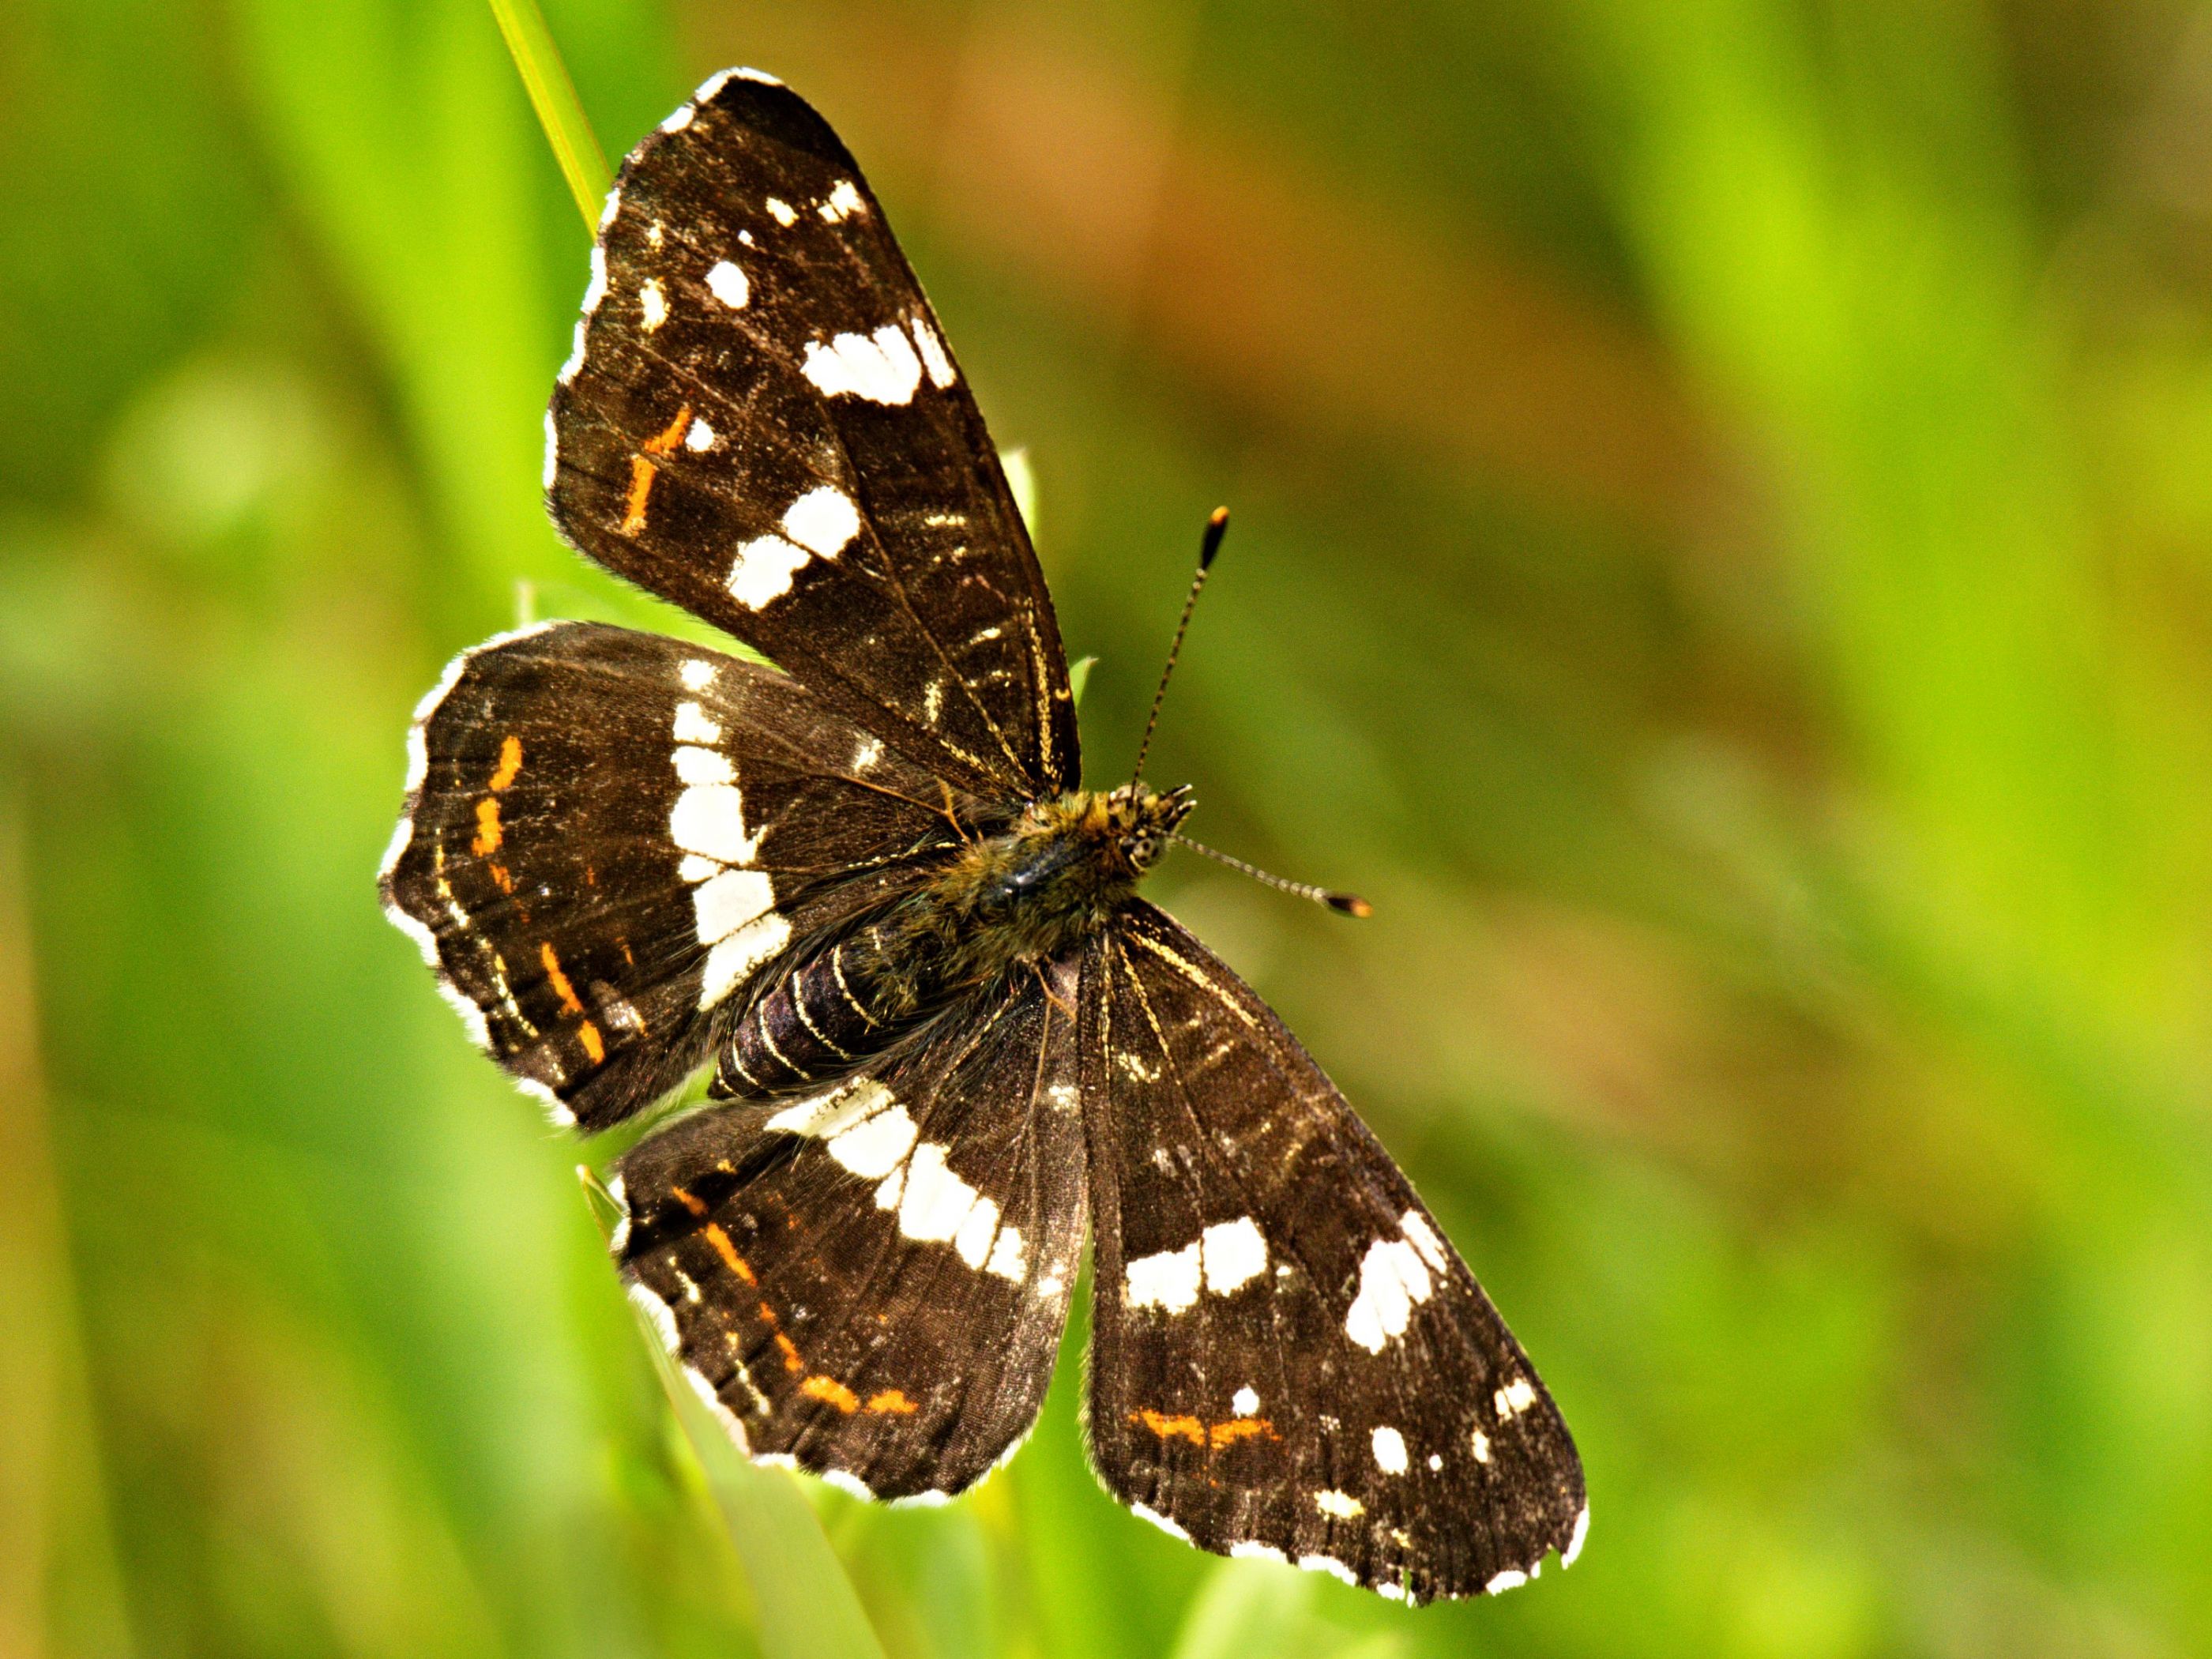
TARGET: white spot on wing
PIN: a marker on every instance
(1575, 1543)
(762, 570)
(823, 521)
(691, 724)
(652, 304)
(1436, 1462)
(1393, 1280)
(695, 765)
(709, 819)
(1234, 1253)
(844, 201)
(933, 357)
(728, 901)
(1509, 1579)
(728, 284)
(552, 453)
(697, 674)
(880, 366)
(1481, 1443)
(1253, 1550)
(1343, 1505)
(1008, 1259)
(848, 1483)
(1415, 1226)
(875, 1145)
(1168, 1279)
(1246, 1401)
(1514, 1398)
(936, 1201)
(832, 1113)
(978, 1228)
(700, 437)
(739, 954)
(781, 211)
(680, 120)
(1390, 1451)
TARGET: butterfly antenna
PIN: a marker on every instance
(1217, 527)
(1350, 905)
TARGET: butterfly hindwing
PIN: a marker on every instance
(1288, 1360)
(608, 833)
(762, 423)
(872, 1283)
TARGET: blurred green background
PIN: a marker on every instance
(1723, 558)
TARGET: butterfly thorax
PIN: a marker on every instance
(1002, 901)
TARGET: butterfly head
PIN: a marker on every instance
(1138, 820)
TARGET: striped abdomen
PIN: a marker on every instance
(835, 1011)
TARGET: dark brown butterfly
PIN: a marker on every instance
(868, 888)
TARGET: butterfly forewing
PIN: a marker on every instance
(609, 833)
(1288, 1360)
(762, 423)
(872, 1283)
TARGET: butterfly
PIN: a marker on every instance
(866, 887)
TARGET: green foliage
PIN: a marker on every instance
(1724, 539)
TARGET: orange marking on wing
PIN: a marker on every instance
(594, 1045)
(504, 882)
(891, 1400)
(735, 1263)
(642, 471)
(666, 440)
(1240, 1428)
(641, 487)
(830, 1389)
(1168, 1428)
(792, 1362)
(488, 835)
(559, 980)
(510, 763)
(697, 1207)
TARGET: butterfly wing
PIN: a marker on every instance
(1288, 1358)
(762, 422)
(608, 833)
(871, 1284)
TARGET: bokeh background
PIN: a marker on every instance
(1723, 557)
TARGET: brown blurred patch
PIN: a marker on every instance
(1053, 155)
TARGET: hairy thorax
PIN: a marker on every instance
(1003, 902)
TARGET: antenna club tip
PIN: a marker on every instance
(1217, 527)
(1350, 905)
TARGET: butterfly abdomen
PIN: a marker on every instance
(836, 1009)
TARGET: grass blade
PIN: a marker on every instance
(553, 95)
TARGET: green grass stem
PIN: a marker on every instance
(553, 95)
